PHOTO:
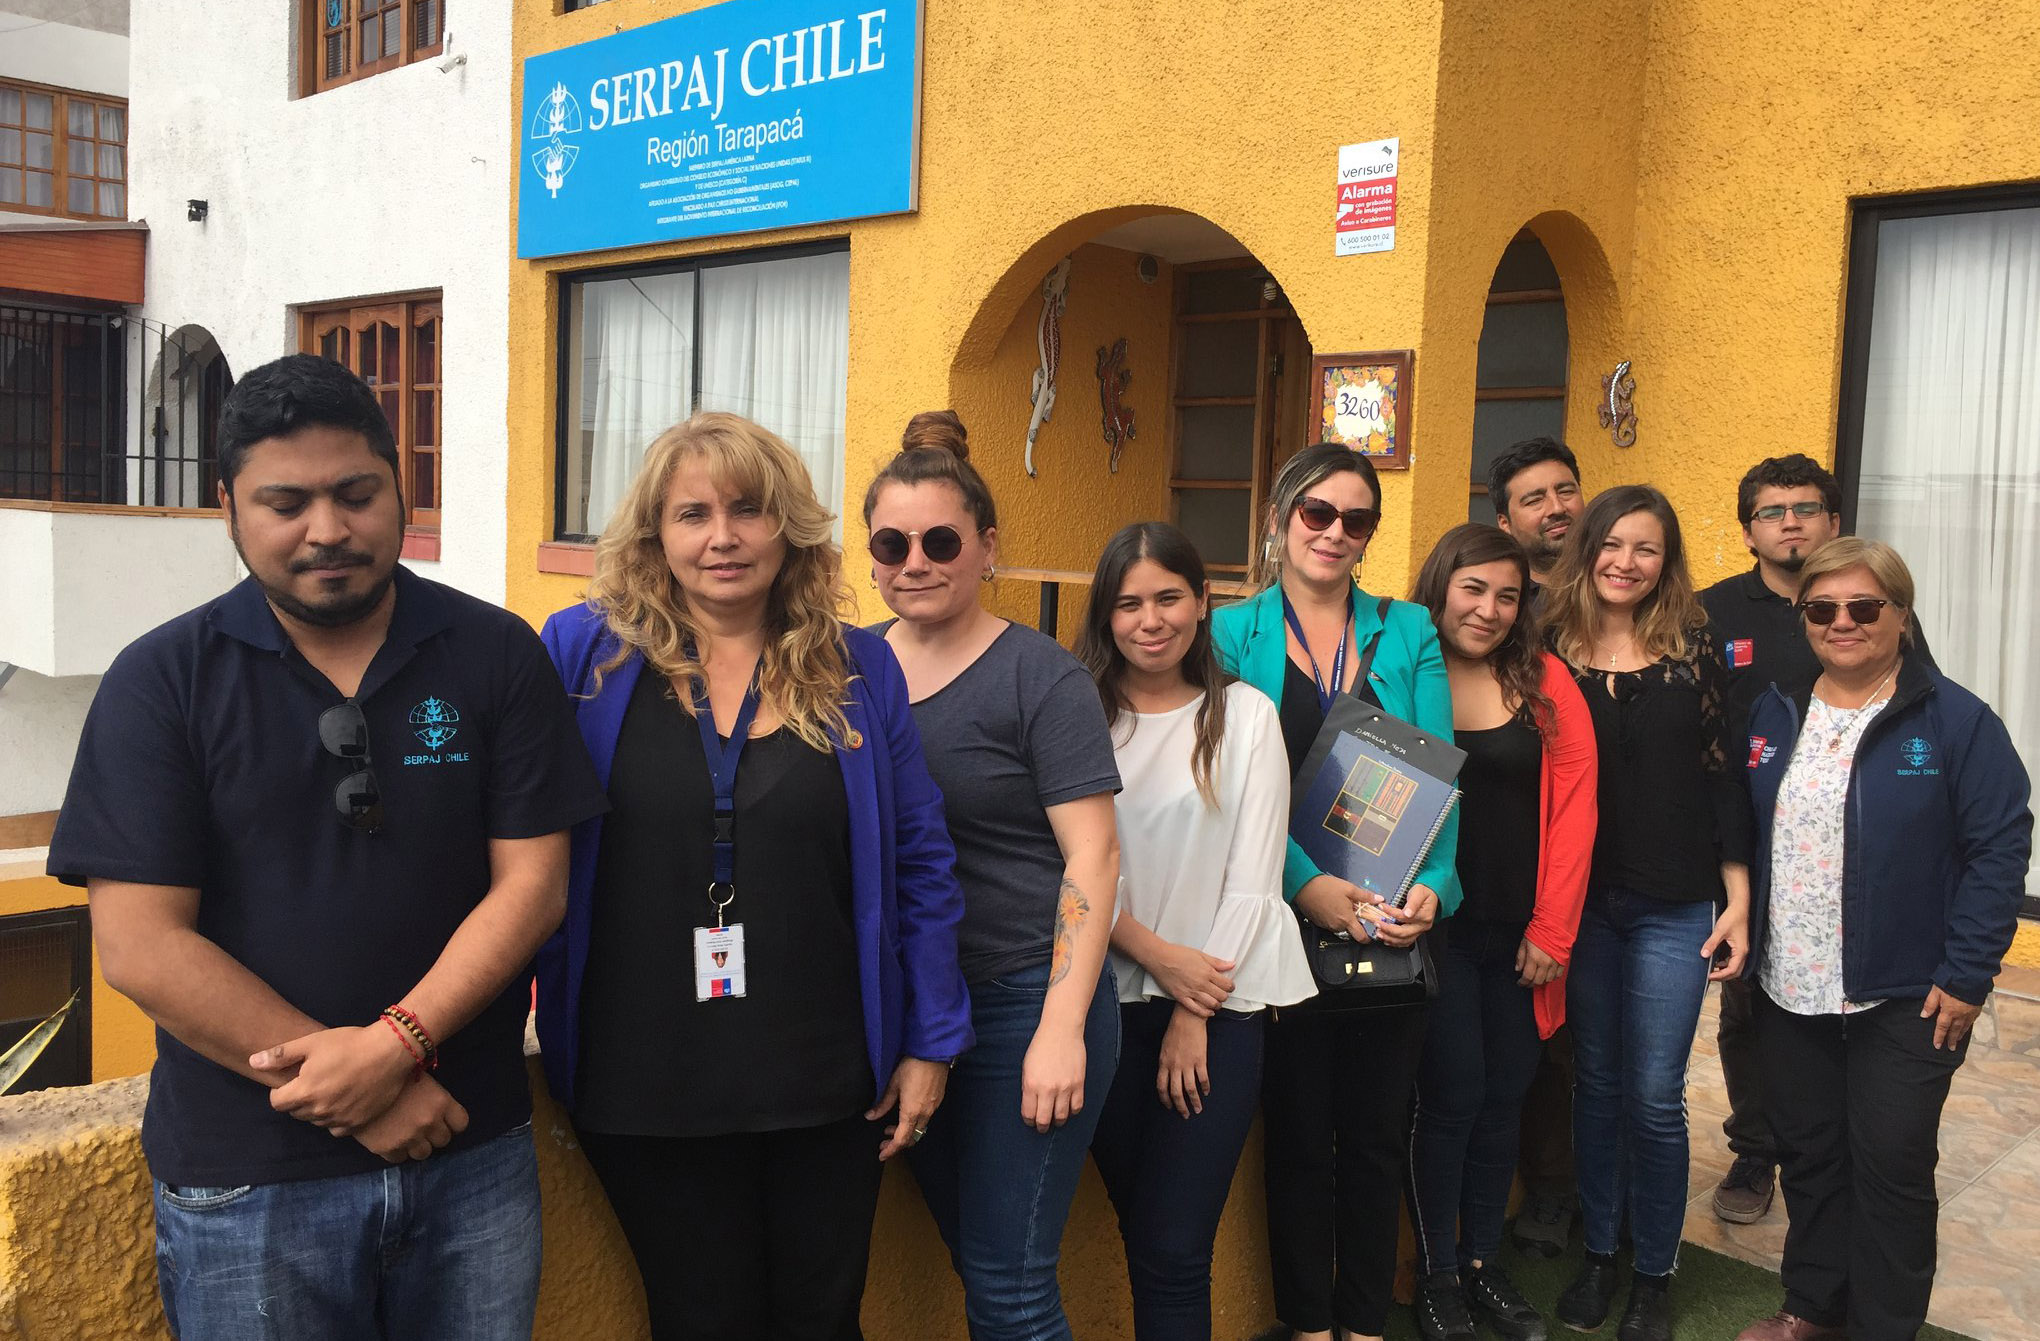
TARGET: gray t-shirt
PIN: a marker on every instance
(1020, 730)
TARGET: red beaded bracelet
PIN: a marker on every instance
(417, 1059)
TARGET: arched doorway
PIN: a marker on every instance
(176, 461)
(1215, 366)
(1521, 370)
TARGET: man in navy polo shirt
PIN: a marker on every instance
(323, 821)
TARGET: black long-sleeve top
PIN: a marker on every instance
(1674, 798)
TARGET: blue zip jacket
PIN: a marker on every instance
(1936, 834)
(905, 901)
(1409, 679)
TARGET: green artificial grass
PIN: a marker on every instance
(1713, 1298)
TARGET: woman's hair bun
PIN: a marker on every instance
(937, 431)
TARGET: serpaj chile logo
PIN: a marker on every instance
(1917, 752)
(557, 116)
(435, 722)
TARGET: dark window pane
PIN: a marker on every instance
(336, 55)
(424, 423)
(79, 117)
(425, 352)
(78, 196)
(78, 157)
(1216, 441)
(392, 372)
(1500, 424)
(393, 410)
(1522, 344)
(368, 358)
(1216, 522)
(1524, 265)
(425, 479)
(1218, 358)
(1222, 290)
(371, 40)
(425, 22)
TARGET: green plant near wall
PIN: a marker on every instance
(15, 1062)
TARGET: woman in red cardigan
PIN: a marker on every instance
(1527, 816)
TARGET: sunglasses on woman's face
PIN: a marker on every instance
(1318, 515)
(940, 543)
(1863, 610)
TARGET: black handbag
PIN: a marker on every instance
(1366, 974)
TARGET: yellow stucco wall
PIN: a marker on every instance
(1756, 135)
(123, 1040)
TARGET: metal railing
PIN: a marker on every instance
(107, 408)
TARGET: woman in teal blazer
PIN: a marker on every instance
(1338, 1082)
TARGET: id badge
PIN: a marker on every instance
(718, 961)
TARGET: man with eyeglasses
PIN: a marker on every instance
(323, 823)
(1789, 506)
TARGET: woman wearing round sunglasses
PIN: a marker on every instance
(1335, 1091)
(1669, 887)
(1203, 944)
(754, 997)
(1016, 738)
(1894, 838)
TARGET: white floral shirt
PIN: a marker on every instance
(1802, 968)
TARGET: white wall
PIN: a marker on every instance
(81, 586)
(38, 49)
(40, 719)
(394, 183)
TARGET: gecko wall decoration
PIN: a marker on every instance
(1055, 296)
(1113, 375)
(1618, 411)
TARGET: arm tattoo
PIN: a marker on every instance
(1070, 909)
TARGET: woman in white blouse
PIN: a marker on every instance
(1203, 943)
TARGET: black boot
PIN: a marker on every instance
(1649, 1315)
(1441, 1309)
(1584, 1305)
(1496, 1298)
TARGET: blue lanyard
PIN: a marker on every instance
(1326, 696)
(722, 770)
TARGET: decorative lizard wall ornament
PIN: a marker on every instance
(1113, 375)
(1055, 295)
(1618, 412)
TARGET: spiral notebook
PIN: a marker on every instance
(1371, 797)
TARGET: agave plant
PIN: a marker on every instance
(15, 1062)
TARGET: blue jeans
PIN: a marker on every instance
(1480, 1054)
(999, 1190)
(1168, 1175)
(1633, 999)
(444, 1249)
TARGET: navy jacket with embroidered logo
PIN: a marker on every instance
(1937, 835)
(200, 767)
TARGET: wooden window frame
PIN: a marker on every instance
(405, 314)
(314, 30)
(1510, 297)
(61, 140)
(1276, 406)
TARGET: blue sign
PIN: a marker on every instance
(746, 115)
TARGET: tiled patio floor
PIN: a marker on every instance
(1988, 1286)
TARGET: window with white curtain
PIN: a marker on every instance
(764, 336)
(1941, 431)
